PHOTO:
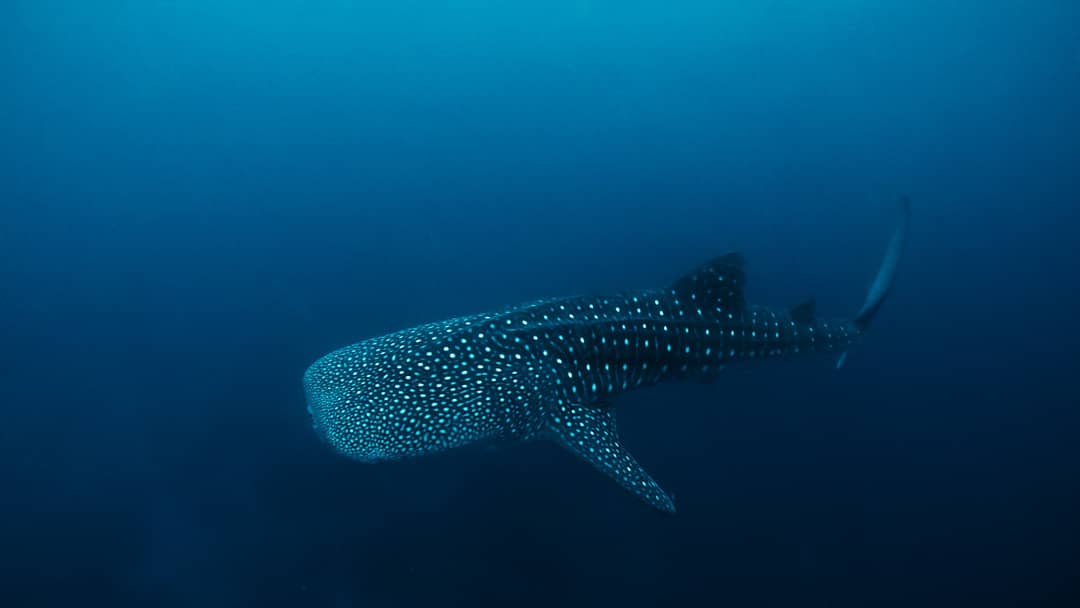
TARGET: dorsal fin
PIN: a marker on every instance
(804, 313)
(716, 286)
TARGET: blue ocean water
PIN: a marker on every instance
(201, 198)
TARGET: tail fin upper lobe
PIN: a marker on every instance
(883, 282)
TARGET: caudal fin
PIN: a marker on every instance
(883, 282)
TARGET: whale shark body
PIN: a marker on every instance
(550, 369)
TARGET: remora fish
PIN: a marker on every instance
(549, 369)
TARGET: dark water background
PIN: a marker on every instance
(200, 198)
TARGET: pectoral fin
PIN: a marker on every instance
(590, 433)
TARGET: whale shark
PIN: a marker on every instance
(552, 369)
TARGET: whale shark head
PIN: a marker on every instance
(344, 411)
(406, 394)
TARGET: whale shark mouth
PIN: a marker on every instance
(319, 430)
(315, 413)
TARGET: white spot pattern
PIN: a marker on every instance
(547, 369)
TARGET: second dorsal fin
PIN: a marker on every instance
(716, 286)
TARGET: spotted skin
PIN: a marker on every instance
(548, 370)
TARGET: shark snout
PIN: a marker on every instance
(339, 416)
